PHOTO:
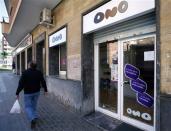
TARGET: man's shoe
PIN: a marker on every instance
(33, 124)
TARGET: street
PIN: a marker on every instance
(53, 116)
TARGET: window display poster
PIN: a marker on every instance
(138, 86)
(149, 56)
(114, 67)
(145, 99)
(131, 72)
(114, 72)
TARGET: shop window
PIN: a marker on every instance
(108, 71)
(57, 60)
(40, 56)
(63, 57)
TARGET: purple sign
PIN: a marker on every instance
(145, 99)
(131, 72)
(138, 85)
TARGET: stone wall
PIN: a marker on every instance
(67, 92)
(165, 39)
(164, 108)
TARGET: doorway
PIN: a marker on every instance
(29, 54)
(125, 80)
(40, 56)
(22, 61)
(18, 64)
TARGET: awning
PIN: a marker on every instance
(27, 18)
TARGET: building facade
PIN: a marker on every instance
(107, 56)
(6, 55)
(1, 50)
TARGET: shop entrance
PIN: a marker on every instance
(18, 64)
(125, 80)
(29, 54)
(40, 56)
(22, 61)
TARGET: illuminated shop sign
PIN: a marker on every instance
(57, 38)
(115, 11)
(138, 85)
(100, 16)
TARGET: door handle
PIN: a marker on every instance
(126, 82)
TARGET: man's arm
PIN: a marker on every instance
(20, 84)
(43, 83)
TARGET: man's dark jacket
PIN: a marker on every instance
(31, 81)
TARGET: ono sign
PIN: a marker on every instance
(115, 11)
(143, 115)
(57, 38)
(122, 7)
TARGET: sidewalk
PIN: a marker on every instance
(53, 115)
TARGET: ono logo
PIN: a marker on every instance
(122, 7)
(57, 38)
(144, 116)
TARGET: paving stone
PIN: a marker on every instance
(53, 116)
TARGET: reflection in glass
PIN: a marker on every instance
(108, 72)
(140, 54)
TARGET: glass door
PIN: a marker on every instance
(107, 79)
(125, 80)
(138, 88)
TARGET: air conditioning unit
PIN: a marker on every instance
(45, 16)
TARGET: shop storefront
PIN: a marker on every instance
(23, 55)
(18, 64)
(57, 53)
(40, 52)
(23, 61)
(123, 35)
(115, 59)
(29, 54)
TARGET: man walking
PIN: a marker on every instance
(31, 81)
(13, 67)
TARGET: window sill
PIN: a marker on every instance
(58, 77)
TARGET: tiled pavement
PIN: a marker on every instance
(53, 116)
